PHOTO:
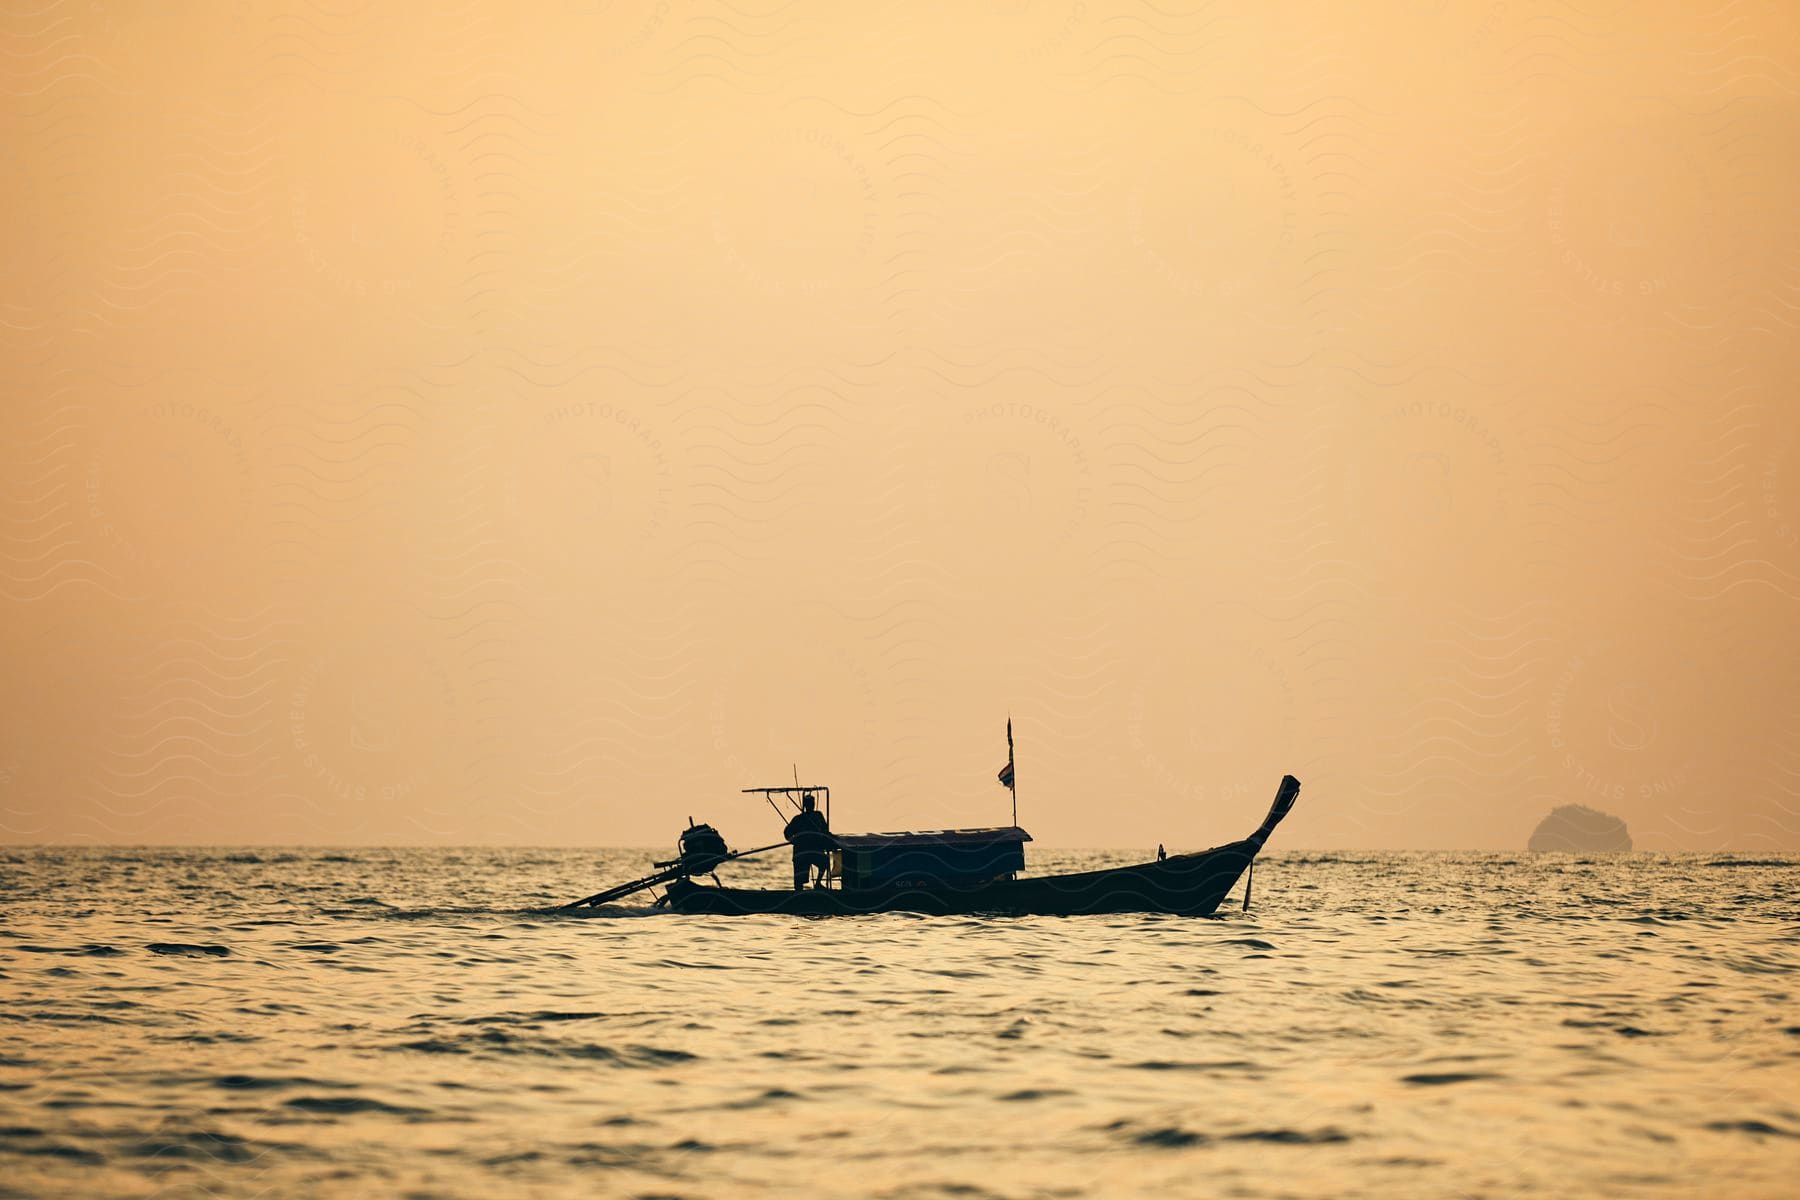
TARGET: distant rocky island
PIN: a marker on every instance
(1577, 827)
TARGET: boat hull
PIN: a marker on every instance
(1183, 884)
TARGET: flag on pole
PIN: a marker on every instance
(1006, 772)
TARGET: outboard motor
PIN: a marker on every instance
(700, 849)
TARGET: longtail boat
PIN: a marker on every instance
(954, 872)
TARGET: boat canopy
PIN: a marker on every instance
(961, 857)
(933, 837)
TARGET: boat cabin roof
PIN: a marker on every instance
(933, 837)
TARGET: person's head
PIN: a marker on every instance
(807, 804)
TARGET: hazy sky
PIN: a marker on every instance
(535, 426)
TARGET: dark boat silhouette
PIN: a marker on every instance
(955, 872)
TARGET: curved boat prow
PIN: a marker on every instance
(1284, 804)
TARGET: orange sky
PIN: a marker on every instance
(534, 428)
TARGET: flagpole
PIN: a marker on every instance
(1012, 772)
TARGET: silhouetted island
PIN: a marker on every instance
(1577, 827)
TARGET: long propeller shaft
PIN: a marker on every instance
(675, 872)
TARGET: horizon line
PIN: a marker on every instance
(310, 846)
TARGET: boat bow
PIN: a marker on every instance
(1283, 805)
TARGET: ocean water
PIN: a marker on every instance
(405, 1022)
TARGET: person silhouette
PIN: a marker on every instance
(1161, 854)
(812, 841)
